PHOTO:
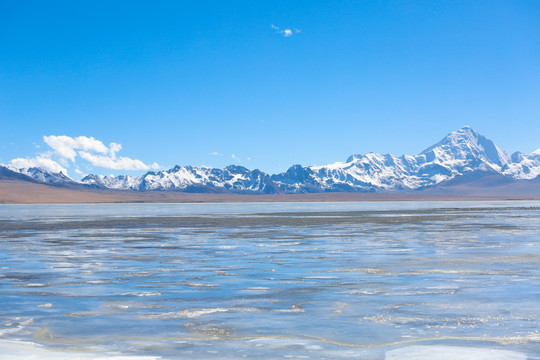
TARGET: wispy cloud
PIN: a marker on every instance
(285, 32)
(215, 153)
(66, 150)
(236, 158)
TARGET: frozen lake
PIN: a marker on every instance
(384, 280)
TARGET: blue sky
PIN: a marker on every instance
(263, 84)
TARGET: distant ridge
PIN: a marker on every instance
(7, 174)
(460, 160)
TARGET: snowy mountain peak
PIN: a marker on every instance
(467, 147)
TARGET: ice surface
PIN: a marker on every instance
(269, 281)
(439, 352)
(25, 350)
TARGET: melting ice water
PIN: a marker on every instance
(226, 281)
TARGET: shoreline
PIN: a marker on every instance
(22, 192)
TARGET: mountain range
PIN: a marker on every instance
(462, 157)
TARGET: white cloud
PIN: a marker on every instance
(236, 158)
(215, 153)
(40, 161)
(111, 162)
(285, 32)
(114, 148)
(67, 149)
(65, 146)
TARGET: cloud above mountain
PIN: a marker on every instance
(66, 151)
(66, 146)
(285, 32)
(42, 161)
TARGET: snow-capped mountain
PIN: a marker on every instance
(43, 176)
(191, 179)
(460, 153)
(523, 166)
